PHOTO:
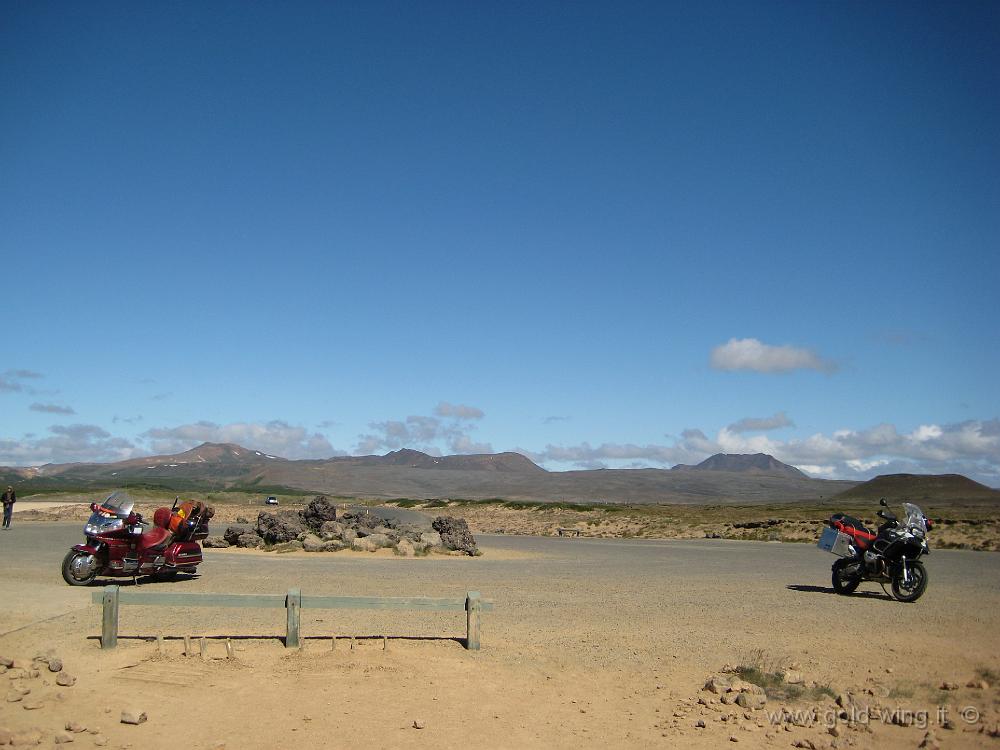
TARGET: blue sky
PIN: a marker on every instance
(626, 235)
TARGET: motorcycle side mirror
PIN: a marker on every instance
(93, 507)
(883, 503)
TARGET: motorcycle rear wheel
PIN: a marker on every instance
(847, 574)
(910, 592)
(69, 573)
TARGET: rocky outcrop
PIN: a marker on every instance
(318, 528)
(455, 534)
(274, 529)
(317, 512)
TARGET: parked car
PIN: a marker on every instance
(271, 500)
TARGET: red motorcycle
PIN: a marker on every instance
(119, 544)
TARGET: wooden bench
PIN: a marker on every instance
(112, 597)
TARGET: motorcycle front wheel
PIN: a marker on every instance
(847, 575)
(79, 568)
(910, 591)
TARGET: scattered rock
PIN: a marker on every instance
(26, 738)
(16, 673)
(250, 540)
(418, 724)
(32, 704)
(215, 542)
(55, 665)
(100, 740)
(292, 546)
(313, 543)
(75, 727)
(431, 537)
(716, 685)
(24, 664)
(363, 544)
(133, 716)
(807, 744)
(455, 534)
(794, 677)
(5, 735)
(61, 738)
(6, 662)
(404, 548)
(379, 540)
(13, 696)
(930, 741)
(317, 512)
(233, 533)
(700, 724)
(242, 519)
(65, 680)
(978, 684)
(751, 701)
(274, 529)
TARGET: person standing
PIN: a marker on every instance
(9, 498)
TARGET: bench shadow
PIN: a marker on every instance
(809, 589)
(341, 639)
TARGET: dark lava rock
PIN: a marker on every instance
(275, 529)
(250, 540)
(319, 511)
(360, 520)
(216, 541)
(455, 534)
(233, 533)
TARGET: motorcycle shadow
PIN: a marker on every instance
(142, 581)
(829, 590)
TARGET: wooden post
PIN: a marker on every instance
(293, 604)
(203, 648)
(472, 608)
(229, 649)
(159, 643)
(385, 643)
(109, 624)
(187, 645)
(352, 643)
(333, 643)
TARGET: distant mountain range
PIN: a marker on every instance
(722, 478)
(412, 474)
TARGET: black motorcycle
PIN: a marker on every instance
(891, 554)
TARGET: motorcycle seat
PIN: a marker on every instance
(154, 537)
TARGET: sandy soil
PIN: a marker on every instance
(593, 643)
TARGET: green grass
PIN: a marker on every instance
(767, 671)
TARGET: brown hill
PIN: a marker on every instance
(413, 474)
(756, 463)
(922, 487)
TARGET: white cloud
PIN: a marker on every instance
(11, 380)
(276, 438)
(755, 424)
(52, 408)
(458, 411)
(971, 448)
(431, 435)
(66, 443)
(752, 354)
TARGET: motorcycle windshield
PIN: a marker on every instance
(914, 517)
(117, 504)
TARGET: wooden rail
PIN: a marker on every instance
(112, 597)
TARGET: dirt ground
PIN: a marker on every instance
(593, 643)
